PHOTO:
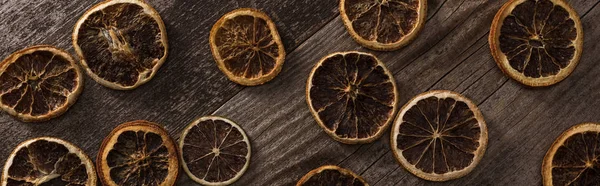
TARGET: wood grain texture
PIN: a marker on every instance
(187, 86)
(451, 53)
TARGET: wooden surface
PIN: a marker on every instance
(451, 53)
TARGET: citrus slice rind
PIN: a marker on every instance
(247, 47)
(437, 119)
(574, 157)
(352, 96)
(536, 43)
(220, 158)
(121, 43)
(383, 25)
(138, 153)
(331, 175)
(48, 160)
(39, 83)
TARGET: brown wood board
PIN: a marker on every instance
(451, 53)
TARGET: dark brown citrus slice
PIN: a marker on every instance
(352, 96)
(383, 24)
(138, 153)
(574, 157)
(121, 43)
(247, 47)
(439, 136)
(536, 42)
(214, 151)
(331, 175)
(39, 83)
(48, 161)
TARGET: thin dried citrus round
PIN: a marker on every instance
(48, 161)
(331, 175)
(39, 83)
(439, 136)
(247, 47)
(383, 24)
(138, 153)
(352, 96)
(574, 157)
(121, 43)
(214, 151)
(537, 43)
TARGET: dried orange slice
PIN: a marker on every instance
(39, 83)
(331, 175)
(439, 136)
(214, 151)
(383, 24)
(537, 43)
(48, 161)
(247, 47)
(574, 157)
(121, 43)
(138, 153)
(352, 96)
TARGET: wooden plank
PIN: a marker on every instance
(452, 53)
(522, 138)
(493, 100)
(481, 69)
(188, 86)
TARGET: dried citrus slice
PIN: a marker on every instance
(247, 47)
(214, 151)
(138, 153)
(39, 83)
(331, 175)
(48, 161)
(383, 24)
(352, 96)
(121, 43)
(439, 136)
(574, 157)
(537, 43)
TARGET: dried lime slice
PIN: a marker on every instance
(214, 151)
(537, 43)
(574, 158)
(48, 161)
(352, 96)
(331, 175)
(247, 47)
(121, 43)
(138, 153)
(383, 24)
(439, 136)
(39, 83)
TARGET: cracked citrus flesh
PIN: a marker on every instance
(247, 47)
(352, 96)
(574, 158)
(121, 43)
(138, 153)
(439, 135)
(39, 83)
(538, 40)
(331, 175)
(383, 24)
(215, 151)
(48, 161)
